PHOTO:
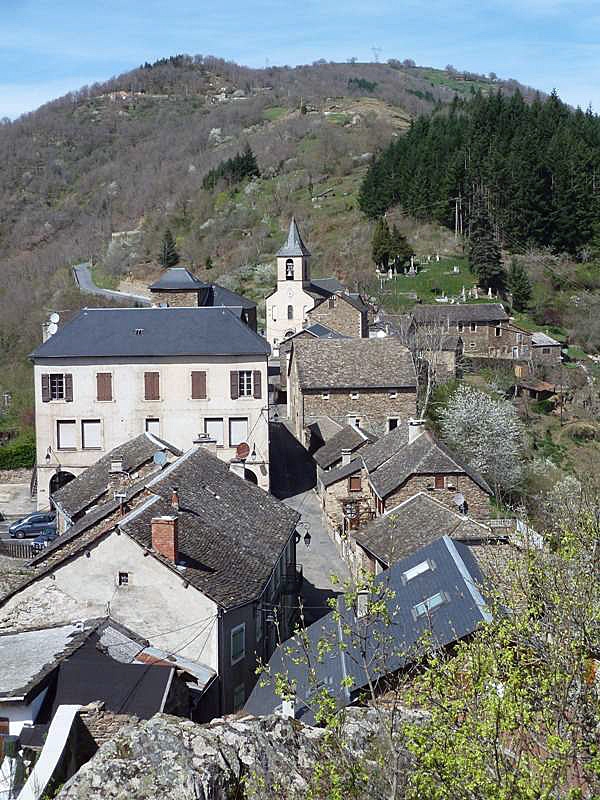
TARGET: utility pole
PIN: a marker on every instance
(376, 51)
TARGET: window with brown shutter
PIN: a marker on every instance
(257, 384)
(4, 726)
(355, 483)
(234, 384)
(69, 388)
(104, 386)
(45, 388)
(440, 482)
(151, 386)
(198, 385)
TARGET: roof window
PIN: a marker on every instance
(139, 331)
(429, 605)
(418, 569)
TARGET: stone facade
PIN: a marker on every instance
(496, 339)
(284, 352)
(341, 316)
(339, 497)
(478, 501)
(546, 355)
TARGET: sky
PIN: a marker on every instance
(50, 47)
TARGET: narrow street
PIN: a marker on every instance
(293, 479)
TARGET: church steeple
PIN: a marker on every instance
(294, 247)
(292, 258)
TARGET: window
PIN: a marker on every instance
(238, 430)
(57, 387)
(473, 326)
(393, 395)
(239, 697)
(393, 423)
(440, 482)
(331, 302)
(353, 395)
(289, 269)
(153, 425)
(123, 579)
(215, 429)
(104, 387)
(498, 331)
(355, 421)
(325, 396)
(433, 602)
(66, 434)
(414, 572)
(151, 386)
(545, 350)
(274, 313)
(290, 312)
(198, 385)
(91, 434)
(471, 344)
(355, 483)
(459, 327)
(4, 726)
(238, 643)
(245, 383)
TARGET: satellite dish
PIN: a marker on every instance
(55, 318)
(160, 458)
(52, 328)
(242, 450)
(458, 499)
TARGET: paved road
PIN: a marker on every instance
(83, 278)
(293, 480)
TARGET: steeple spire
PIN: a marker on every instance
(294, 245)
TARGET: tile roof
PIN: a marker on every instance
(92, 484)
(354, 364)
(413, 524)
(177, 279)
(460, 312)
(152, 332)
(350, 438)
(294, 245)
(456, 576)
(424, 456)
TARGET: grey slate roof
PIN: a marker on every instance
(231, 533)
(460, 312)
(423, 456)
(456, 574)
(322, 427)
(152, 332)
(220, 296)
(380, 451)
(413, 524)
(294, 245)
(339, 473)
(323, 332)
(349, 437)
(353, 298)
(87, 488)
(177, 279)
(354, 364)
(539, 339)
(325, 287)
(448, 343)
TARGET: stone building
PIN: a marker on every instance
(342, 312)
(444, 352)
(369, 383)
(316, 331)
(545, 351)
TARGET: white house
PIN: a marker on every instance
(110, 374)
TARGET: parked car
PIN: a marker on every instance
(46, 537)
(32, 525)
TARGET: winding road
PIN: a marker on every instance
(83, 279)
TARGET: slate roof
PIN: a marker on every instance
(231, 532)
(294, 245)
(339, 473)
(413, 524)
(424, 456)
(353, 298)
(323, 332)
(378, 452)
(220, 296)
(456, 574)
(349, 438)
(322, 427)
(152, 332)
(448, 343)
(87, 488)
(539, 339)
(354, 364)
(460, 312)
(325, 287)
(177, 279)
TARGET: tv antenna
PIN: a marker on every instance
(376, 52)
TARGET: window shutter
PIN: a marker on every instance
(104, 386)
(151, 386)
(235, 384)
(69, 388)
(198, 385)
(257, 384)
(45, 388)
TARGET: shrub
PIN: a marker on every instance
(20, 453)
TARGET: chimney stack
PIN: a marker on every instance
(118, 477)
(207, 441)
(175, 498)
(346, 456)
(415, 428)
(165, 538)
(117, 464)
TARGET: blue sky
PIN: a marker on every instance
(48, 47)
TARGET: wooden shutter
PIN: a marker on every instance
(151, 386)
(234, 381)
(439, 482)
(69, 388)
(198, 385)
(45, 388)
(257, 384)
(104, 386)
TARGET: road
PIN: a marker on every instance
(83, 278)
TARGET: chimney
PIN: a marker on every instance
(175, 498)
(415, 428)
(237, 466)
(207, 441)
(117, 464)
(346, 456)
(165, 537)
(118, 477)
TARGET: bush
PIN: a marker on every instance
(19, 454)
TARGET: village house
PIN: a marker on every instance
(110, 374)
(545, 351)
(442, 352)
(342, 312)
(369, 383)
(316, 331)
(201, 563)
(342, 444)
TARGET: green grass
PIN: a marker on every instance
(440, 77)
(525, 321)
(433, 280)
(274, 113)
(103, 279)
(338, 117)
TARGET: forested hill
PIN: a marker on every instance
(537, 164)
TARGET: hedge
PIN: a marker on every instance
(18, 454)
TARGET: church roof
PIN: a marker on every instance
(177, 279)
(294, 245)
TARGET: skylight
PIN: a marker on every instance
(433, 602)
(415, 571)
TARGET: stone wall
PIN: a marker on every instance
(485, 342)
(333, 497)
(103, 725)
(340, 316)
(373, 407)
(550, 358)
(176, 299)
(478, 501)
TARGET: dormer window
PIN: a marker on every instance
(289, 269)
(139, 331)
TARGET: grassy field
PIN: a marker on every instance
(274, 113)
(103, 279)
(433, 280)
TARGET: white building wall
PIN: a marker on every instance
(19, 714)
(288, 293)
(124, 417)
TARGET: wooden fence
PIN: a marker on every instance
(16, 549)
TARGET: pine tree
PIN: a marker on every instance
(520, 286)
(168, 256)
(401, 251)
(485, 259)
(208, 263)
(381, 246)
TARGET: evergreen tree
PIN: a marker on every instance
(485, 259)
(168, 256)
(520, 286)
(208, 263)
(400, 250)
(381, 246)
